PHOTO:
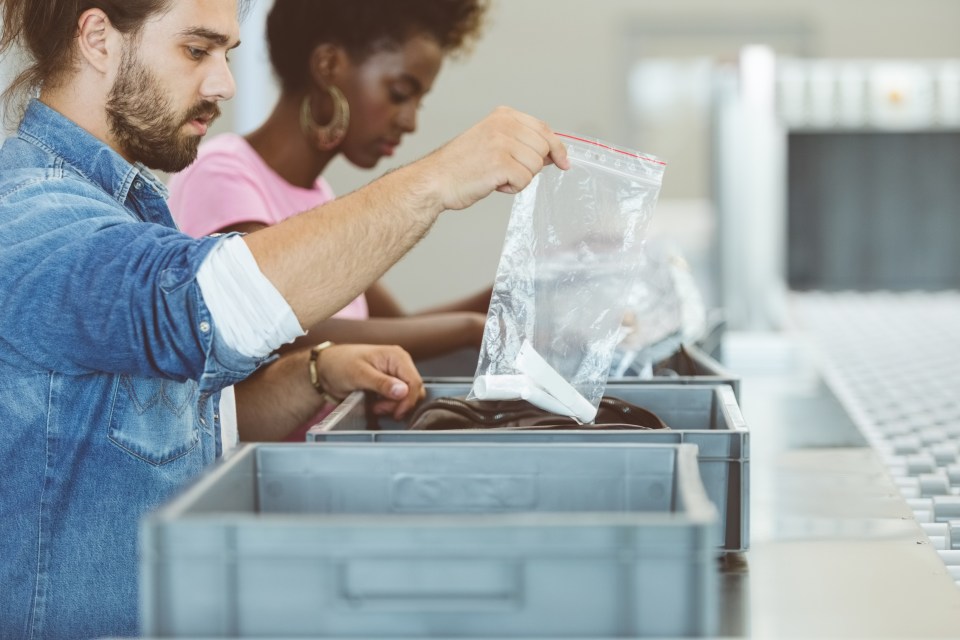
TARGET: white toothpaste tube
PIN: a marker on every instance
(544, 376)
(512, 387)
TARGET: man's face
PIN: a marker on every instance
(144, 123)
(170, 79)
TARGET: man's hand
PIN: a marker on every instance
(503, 152)
(353, 240)
(386, 370)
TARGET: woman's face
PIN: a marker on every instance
(384, 91)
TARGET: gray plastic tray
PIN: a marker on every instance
(452, 540)
(707, 416)
(688, 365)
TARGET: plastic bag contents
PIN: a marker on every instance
(572, 254)
(664, 311)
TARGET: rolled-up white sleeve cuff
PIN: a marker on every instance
(248, 311)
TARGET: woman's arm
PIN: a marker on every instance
(383, 305)
(477, 303)
(421, 336)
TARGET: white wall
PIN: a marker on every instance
(8, 69)
(566, 61)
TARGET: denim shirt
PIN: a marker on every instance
(110, 373)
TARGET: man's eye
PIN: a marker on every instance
(196, 53)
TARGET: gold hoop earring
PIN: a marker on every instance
(327, 136)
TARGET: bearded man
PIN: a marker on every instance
(118, 332)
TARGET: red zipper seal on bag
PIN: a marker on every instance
(604, 146)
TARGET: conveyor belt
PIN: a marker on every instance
(893, 361)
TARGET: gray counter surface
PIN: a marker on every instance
(835, 550)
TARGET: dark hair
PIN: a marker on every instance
(361, 27)
(45, 31)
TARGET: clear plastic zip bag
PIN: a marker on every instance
(572, 254)
(665, 311)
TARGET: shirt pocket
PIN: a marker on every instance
(154, 419)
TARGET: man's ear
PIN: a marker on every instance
(328, 63)
(96, 39)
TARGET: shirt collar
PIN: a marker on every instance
(94, 159)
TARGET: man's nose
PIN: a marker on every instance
(219, 83)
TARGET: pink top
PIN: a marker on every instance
(231, 184)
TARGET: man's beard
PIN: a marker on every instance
(145, 126)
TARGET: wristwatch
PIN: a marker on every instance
(315, 352)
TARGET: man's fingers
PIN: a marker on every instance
(390, 387)
(405, 370)
(544, 141)
(516, 179)
(500, 153)
(395, 379)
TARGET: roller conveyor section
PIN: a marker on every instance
(893, 361)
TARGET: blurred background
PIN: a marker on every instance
(813, 152)
(813, 190)
(861, 96)
(811, 144)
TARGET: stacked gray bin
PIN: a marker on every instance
(436, 540)
(688, 365)
(705, 415)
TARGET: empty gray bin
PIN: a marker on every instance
(707, 416)
(453, 540)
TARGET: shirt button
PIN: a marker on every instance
(137, 185)
(205, 327)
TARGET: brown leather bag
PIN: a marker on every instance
(459, 413)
